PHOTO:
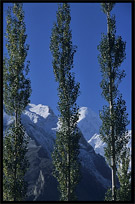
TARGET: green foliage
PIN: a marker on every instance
(107, 7)
(124, 175)
(113, 116)
(16, 93)
(16, 88)
(119, 119)
(66, 150)
(112, 54)
(108, 195)
(15, 164)
(124, 192)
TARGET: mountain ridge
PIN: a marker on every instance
(41, 125)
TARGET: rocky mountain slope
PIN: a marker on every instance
(41, 125)
(89, 123)
(98, 145)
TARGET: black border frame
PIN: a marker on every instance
(132, 98)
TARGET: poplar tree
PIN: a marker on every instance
(113, 116)
(66, 149)
(16, 93)
(124, 175)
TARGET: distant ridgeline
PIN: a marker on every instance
(41, 125)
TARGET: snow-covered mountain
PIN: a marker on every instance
(41, 124)
(98, 145)
(89, 122)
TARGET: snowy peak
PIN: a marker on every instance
(99, 145)
(89, 122)
(40, 122)
(40, 109)
(38, 114)
(83, 111)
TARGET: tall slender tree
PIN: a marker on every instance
(114, 117)
(16, 93)
(66, 150)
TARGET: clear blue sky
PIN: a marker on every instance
(87, 24)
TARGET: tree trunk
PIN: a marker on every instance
(16, 118)
(68, 179)
(113, 165)
(68, 160)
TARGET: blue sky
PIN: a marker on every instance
(87, 24)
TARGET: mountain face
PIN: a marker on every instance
(41, 125)
(98, 145)
(89, 122)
